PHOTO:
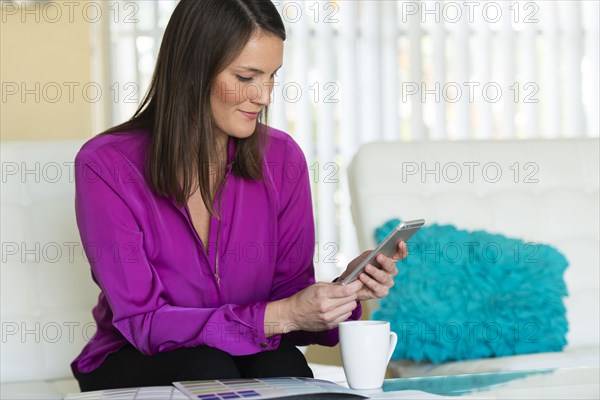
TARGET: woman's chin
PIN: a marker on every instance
(245, 133)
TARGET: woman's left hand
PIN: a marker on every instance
(377, 282)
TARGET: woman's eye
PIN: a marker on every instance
(243, 78)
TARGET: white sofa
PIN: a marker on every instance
(46, 288)
(47, 293)
(553, 200)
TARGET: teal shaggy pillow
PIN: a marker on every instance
(463, 295)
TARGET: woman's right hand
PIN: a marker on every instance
(319, 307)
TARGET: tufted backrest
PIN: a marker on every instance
(46, 290)
(542, 191)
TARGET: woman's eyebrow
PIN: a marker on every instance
(260, 71)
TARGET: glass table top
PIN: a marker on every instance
(583, 380)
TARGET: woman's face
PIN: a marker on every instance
(243, 89)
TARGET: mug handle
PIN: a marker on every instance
(393, 341)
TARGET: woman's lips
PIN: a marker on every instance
(250, 115)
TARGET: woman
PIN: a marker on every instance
(197, 220)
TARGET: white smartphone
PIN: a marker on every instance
(387, 247)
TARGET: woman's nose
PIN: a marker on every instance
(261, 94)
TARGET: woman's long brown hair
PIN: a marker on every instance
(201, 39)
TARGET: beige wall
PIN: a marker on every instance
(42, 56)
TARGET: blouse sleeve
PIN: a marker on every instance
(296, 237)
(140, 305)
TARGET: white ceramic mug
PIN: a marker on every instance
(366, 348)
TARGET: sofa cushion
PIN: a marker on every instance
(464, 295)
(569, 358)
(46, 390)
(47, 293)
(547, 192)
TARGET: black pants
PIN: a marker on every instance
(129, 368)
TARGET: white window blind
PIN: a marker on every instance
(358, 71)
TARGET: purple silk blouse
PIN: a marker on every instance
(160, 289)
